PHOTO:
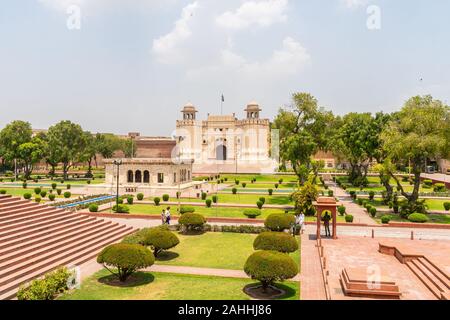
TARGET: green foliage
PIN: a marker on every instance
(304, 199)
(43, 194)
(244, 185)
(373, 211)
(276, 241)
(349, 218)
(58, 191)
(236, 182)
(385, 219)
(67, 194)
(192, 221)
(252, 213)
(160, 239)
(24, 185)
(130, 200)
(51, 197)
(270, 266)
(204, 195)
(187, 209)
(37, 199)
(140, 196)
(427, 183)
(27, 196)
(208, 203)
(120, 208)
(330, 193)
(93, 208)
(279, 221)
(54, 186)
(270, 192)
(234, 191)
(439, 187)
(37, 190)
(46, 288)
(418, 218)
(68, 186)
(126, 258)
(447, 206)
(342, 210)
(276, 185)
(157, 201)
(371, 195)
(215, 198)
(262, 199)
(165, 197)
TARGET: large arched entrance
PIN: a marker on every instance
(221, 152)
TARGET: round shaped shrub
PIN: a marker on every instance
(373, 211)
(68, 186)
(418, 218)
(269, 267)
(51, 197)
(447, 206)
(262, 199)
(279, 221)
(120, 208)
(270, 192)
(330, 193)
(371, 195)
(244, 185)
(37, 199)
(130, 200)
(252, 213)
(360, 201)
(208, 203)
(349, 218)
(160, 239)
(120, 200)
(276, 241)
(27, 196)
(341, 210)
(24, 185)
(37, 190)
(276, 185)
(259, 204)
(156, 200)
(236, 182)
(280, 181)
(43, 194)
(67, 194)
(215, 198)
(3, 191)
(140, 196)
(204, 195)
(126, 258)
(234, 190)
(165, 197)
(58, 191)
(385, 219)
(93, 208)
(187, 209)
(192, 221)
(54, 185)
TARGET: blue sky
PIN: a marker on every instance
(133, 64)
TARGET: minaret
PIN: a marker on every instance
(253, 110)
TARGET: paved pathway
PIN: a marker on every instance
(312, 285)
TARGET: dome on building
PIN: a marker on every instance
(189, 107)
(253, 106)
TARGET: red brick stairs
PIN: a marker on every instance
(35, 239)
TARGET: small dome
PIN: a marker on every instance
(253, 106)
(189, 107)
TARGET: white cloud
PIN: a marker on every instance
(166, 48)
(259, 13)
(99, 5)
(352, 4)
(289, 60)
(62, 5)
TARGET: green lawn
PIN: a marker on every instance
(434, 218)
(241, 198)
(213, 250)
(167, 286)
(433, 204)
(19, 192)
(259, 178)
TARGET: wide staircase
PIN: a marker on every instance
(36, 238)
(429, 273)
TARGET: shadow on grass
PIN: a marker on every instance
(167, 256)
(135, 280)
(288, 291)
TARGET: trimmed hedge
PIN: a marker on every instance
(93, 208)
(46, 288)
(279, 221)
(187, 209)
(37, 190)
(140, 196)
(51, 197)
(252, 213)
(372, 211)
(27, 196)
(160, 239)
(208, 203)
(156, 200)
(126, 258)
(192, 221)
(67, 194)
(165, 197)
(349, 218)
(342, 210)
(276, 241)
(270, 266)
(120, 208)
(259, 204)
(447, 206)
(385, 219)
(270, 192)
(418, 218)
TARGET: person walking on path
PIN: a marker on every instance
(301, 222)
(168, 215)
(326, 222)
(163, 217)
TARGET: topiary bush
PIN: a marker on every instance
(447, 206)
(269, 267)
(54, 186)
(371, 195)
(67, 194)
(418, 218)
(385, 219)
(3, 191)
(58, 191)
(279, 221)
(276, 241)
(252, 213)
(342, 210)
(24, 185)
(93, 208)
(276, 185)
(43, 194)
(51, 197)
(187, 209)
(120, 208)
(165, 197)
(140, 196)
(192, 222)
(330, 193)
(439, 187)
(373, 211)
(37, 190)
(37, 199)
(427, 183)
(126, 258)
(259, 204)
(160, 239)
(208, 203)
(349, 218)
(215, 198)
(68, 186)
(244, 185)
(234, 190)
(27, 196)
(270, 192)
(130, 200)
(262, 199)
(157, 201)
(204, 195)
(236, 182)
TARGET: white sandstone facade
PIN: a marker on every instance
(223, 143)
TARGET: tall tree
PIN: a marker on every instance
(31, 153)
(108, 144)
(12, 136)
(66, 143)
(89, 152)
(129, 148)
(415, 134)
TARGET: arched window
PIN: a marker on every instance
(189, 175)
(138, 176)
(146, 176)
(130, 176)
